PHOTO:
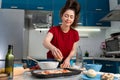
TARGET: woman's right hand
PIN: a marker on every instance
(57, 54)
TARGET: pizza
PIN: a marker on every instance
(47, 72)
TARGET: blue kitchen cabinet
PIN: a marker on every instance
(93, 19)
(14, 4)
(56, 17)
(96, 10)
(82, 5)
(28, 4)
(88, 61)
(108, 66)
(39, 5)
(90, 14)
(82, 19)
(57, 6)
(97, 5)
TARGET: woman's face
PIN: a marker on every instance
(68, 17)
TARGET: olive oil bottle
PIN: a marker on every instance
(9, 61)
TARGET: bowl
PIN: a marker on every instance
(48, 64)
(96, 67)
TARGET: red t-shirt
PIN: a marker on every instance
(63, 41)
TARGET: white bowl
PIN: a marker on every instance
(48, 64)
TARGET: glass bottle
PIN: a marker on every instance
(9, 62)
(79, 57)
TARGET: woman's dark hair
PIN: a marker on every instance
(73, 5)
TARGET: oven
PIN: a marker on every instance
(113, 44)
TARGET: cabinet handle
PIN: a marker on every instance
(79, 23)
(98, 23)
(108, 65)
(60, 22)
(98, 9)
(14, 7)
(40, 7)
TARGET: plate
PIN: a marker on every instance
(98, 77)
(69, 72)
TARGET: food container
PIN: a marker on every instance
(48, 64)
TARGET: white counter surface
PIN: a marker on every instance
(102, 58)
(28, 76)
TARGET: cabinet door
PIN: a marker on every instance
(108, 66)
(87, 61)
(56, 17)
(93, 19)
(82, 5)
(97, 5)
(56, 11)
(57, 5)
(82, 19)
(14, 4)
(39, 4)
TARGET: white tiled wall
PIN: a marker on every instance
(92, 43)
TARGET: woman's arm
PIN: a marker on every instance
(73, 51)
(66, 63)
(47, 44)
(47, 40)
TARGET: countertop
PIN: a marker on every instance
(101, 58)
(28, 76)
(96, 58)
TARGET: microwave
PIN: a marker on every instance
(113, 44)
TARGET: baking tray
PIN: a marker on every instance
(36, 73)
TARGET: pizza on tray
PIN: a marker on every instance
(47, 72)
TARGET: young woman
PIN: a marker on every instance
(62, 40)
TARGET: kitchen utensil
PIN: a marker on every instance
(32, 59)
(46, 64)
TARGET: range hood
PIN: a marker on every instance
(114, 15)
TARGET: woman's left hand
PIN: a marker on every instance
(66, 63)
